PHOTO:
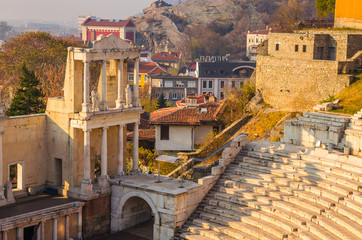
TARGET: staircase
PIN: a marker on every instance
(268, 194)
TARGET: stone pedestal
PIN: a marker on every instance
(104, 184)
(86, 188)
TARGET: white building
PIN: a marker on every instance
(253, 40)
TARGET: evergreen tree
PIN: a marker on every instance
(29, 96)
(161, 102)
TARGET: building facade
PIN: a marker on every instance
(173, 87)
(219, 77)
(95, 28)
(172, 59)
(182, 128)
(253, 40)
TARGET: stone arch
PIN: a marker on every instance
(143, 196)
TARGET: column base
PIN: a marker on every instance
(118, 175)
(86, 188)
(104, 183)
(120, 104)
(137, 102)
(103, 106)
(134, 171)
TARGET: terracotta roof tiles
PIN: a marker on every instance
(167, 56)
(93, 22)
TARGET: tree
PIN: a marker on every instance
(325, 7)
(44, 54)
(161, 102)
(289, 15)
(28, 97)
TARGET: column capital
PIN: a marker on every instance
(105, 128)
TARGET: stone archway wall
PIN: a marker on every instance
(120, 222)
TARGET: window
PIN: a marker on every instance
(296, 47)
(191, 84)
(168, 83)
(157, 95)
(232, 84)
(165, 132)
(304, 48)
(180, 84)
(16, 175)
(146, 79)
(130, 77)
(204, 83)
(174, 95)
(182, 95)
(257, 40)
(277, 47)
(210, 84)
(222, 84)
(222, 95)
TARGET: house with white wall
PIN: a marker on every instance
(181, 128)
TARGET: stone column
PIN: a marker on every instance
(79, 225)
(55, 229)
(103, 179)
(42, 230)
(19, 233)
(86, 186)
(103, 105)
(120, 152)
(136, 100)
(135, 147)
(86, 104)
(120, 89)
(5, 235)
(66, 227)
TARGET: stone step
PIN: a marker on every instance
(320, 179)
(326, 117)
(287, 206)
(235, 234)
(293, 164)
(301, 172)
(319, 231)
(344, 222)
(351, 213)
(271, 227)
(314, 202)
(210, 234)
(189, 236)
(240, 226)
(334, 228)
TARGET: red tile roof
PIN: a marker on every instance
(186, 116)
(200, 99)
(107, 23)
(167, 56)
(148, 68)
(144, 134)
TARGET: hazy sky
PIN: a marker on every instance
(68, 10)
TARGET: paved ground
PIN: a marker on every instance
(32, 204)
(143, 231)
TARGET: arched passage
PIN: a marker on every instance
(136, 208)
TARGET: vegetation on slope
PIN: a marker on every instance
(351, 97)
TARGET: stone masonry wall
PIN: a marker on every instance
(296, 84)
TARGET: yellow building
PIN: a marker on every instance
(348, 14)
(145, 70)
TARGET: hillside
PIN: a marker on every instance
(164, 26)
(351, 97)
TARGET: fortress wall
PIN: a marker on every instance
(296, 84)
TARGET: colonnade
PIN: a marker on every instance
(120, 101)
(40, 233)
